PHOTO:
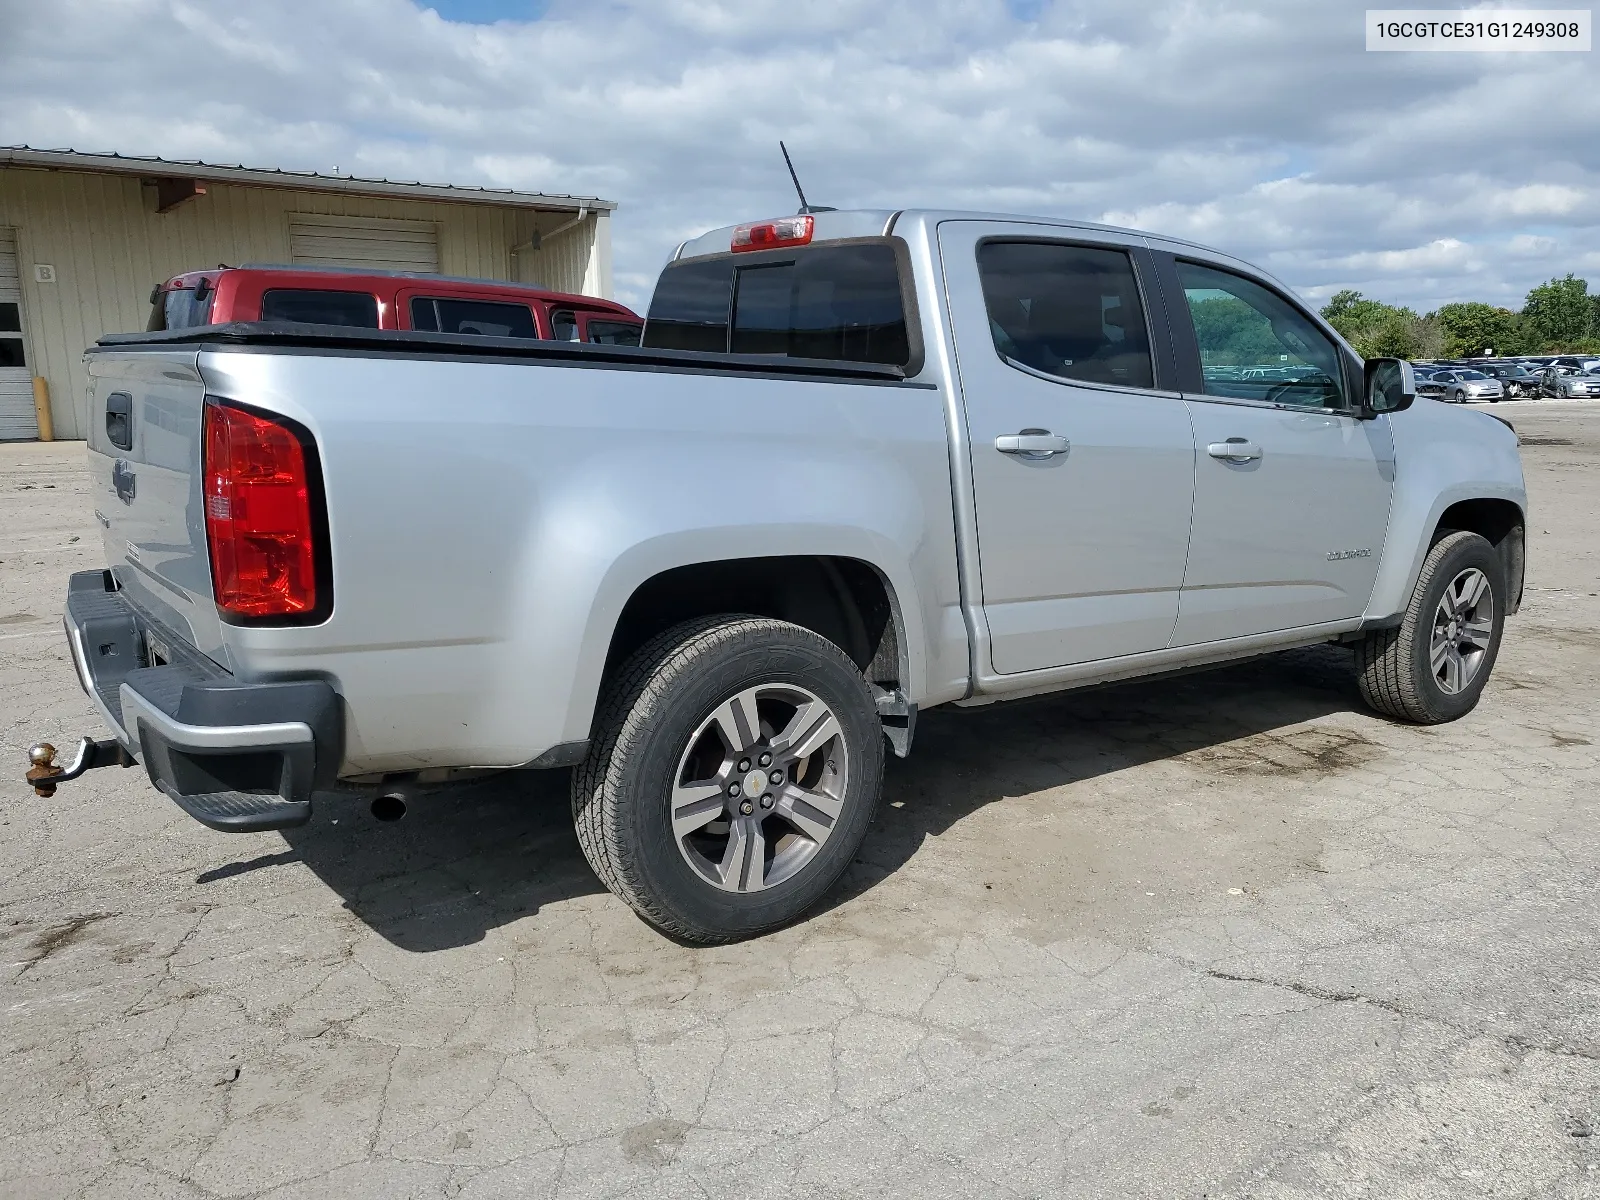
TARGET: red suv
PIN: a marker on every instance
(384, 300)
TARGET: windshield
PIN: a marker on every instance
(1471, 375)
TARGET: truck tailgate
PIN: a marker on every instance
(146, 411)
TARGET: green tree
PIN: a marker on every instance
(1379, 330)
(1350, 312)
(1560, 312)
(1472, 328)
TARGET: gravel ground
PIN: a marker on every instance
(1224, 936)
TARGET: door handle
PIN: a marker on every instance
(1234, 450)
(1035, 443)
(119, 420)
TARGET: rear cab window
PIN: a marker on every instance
(181, 308)
(846, 300)
(320, 307)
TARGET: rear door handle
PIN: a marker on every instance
(1234, 450)
(1035, 443)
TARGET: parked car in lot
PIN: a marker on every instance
(1432, 389)
(1516, 379)
(365, 299)
(1462, 384)
(864, 464)
(1568, 383)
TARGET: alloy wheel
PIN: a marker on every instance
(1463, 628)
(759, 788)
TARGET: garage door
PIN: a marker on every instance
(17, 419)
(363, 242)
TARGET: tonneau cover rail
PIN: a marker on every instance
(454, 345)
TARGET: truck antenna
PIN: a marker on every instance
(804, 207)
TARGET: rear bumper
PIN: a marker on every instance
(239, 757)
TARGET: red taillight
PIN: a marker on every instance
(769, 235)
(259, 523)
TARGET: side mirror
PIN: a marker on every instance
(1391, 386)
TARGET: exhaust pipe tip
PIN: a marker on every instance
(391, 806)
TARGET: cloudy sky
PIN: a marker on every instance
(1258, 126)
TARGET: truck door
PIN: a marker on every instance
(1081, 451)
(1292, 488)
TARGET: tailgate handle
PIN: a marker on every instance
(119, 420)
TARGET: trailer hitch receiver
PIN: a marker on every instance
(44, 773)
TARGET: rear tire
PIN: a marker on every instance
(734, 774)
(1433, 666)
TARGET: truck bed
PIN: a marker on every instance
(405, 342)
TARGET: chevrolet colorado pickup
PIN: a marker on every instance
(863, 464)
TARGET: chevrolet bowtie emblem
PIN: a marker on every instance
(122, 478)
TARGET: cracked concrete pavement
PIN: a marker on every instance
(1223, 936)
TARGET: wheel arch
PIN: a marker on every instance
(851, 593)
(846, 600)
(1502, 524)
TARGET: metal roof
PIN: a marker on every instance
(126, 164)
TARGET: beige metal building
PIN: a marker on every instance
(84, 237)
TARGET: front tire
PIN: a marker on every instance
(1433, 666)
(734, 774)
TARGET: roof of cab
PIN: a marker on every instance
(366, 276)
(878, 222)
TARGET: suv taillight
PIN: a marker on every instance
(260, 527)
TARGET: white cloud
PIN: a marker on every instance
(1260, 126)
(1442, 255)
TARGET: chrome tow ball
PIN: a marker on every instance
(44, 773)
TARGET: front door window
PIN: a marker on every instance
(1255, 345)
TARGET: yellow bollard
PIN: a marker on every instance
(41, 407)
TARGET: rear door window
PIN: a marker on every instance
(612, 333)
(483, 318)
(1069, 311)
(317, 307)
(840, 301)
(564, 325)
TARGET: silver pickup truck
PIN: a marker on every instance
(864, 463)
